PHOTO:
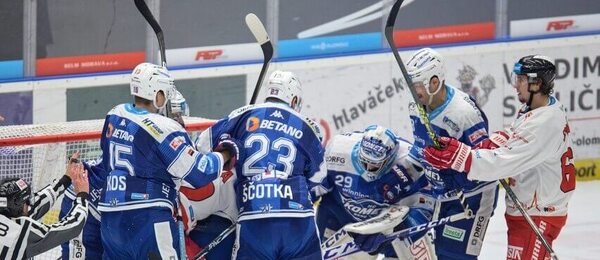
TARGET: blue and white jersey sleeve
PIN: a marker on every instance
(316, 170)
(474, 123)
(147, 157)
(193, 168)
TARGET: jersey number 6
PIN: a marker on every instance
(568, 171)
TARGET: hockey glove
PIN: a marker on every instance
(454, 155)
(496, 140)
(232, 147)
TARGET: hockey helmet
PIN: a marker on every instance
(536, 68)
(425, 64)
(378, 149)
(14, 194)
(285, 86)
(148, 79)
(177, 107)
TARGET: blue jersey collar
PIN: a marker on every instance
(438, 110)
(132, 109)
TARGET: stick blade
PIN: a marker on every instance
(257, 28)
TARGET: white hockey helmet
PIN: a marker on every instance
(178, 104)
(378, 149)
(285, 86)
(148, 79)
(177, 107)
(424, 65)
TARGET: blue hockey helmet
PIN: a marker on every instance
(378, 149)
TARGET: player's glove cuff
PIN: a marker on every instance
(497, 139)
(230, 146)
(454, 155)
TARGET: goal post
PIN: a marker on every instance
(38, 152)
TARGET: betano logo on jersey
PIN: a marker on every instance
(109, 132)
(363, 209)
(254, 123)
(123, 135)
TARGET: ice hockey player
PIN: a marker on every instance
(23, 236)
(282, 163)
(88, 245)
(367, 172)
(535, 152)
(207, 212)
(148, 157)
(452, 113)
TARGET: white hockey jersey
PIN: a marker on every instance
(538, 158)
(216, 198)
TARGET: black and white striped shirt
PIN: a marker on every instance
(25, 237)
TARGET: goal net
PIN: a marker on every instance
(38, 153)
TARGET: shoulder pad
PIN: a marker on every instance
(240, 111)
(160, 126)
(315, 127)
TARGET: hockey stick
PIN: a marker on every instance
(143, 8)
(260, 33)
(145, 11)
(262, 37)
(215, 242)
(332, 251)
(527, 217)
(389, 36)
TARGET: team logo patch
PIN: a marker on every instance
(454, 233)
(225, 176)
(295, 205)
(202, 164)
(476, 135)
(277, 114)
(21, 184)
(190, 151)
(177, 141)
(252, 124)
(139, 196)
(152, 127)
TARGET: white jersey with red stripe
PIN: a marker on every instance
(538, 158)
(216, 198)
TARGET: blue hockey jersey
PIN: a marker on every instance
(282, 162)
(362, 196)
(457, 117)
(148, 157)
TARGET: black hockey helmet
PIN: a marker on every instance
(14, 193)
(536, 68)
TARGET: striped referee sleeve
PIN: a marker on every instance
(45, 198)
(43, 238)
